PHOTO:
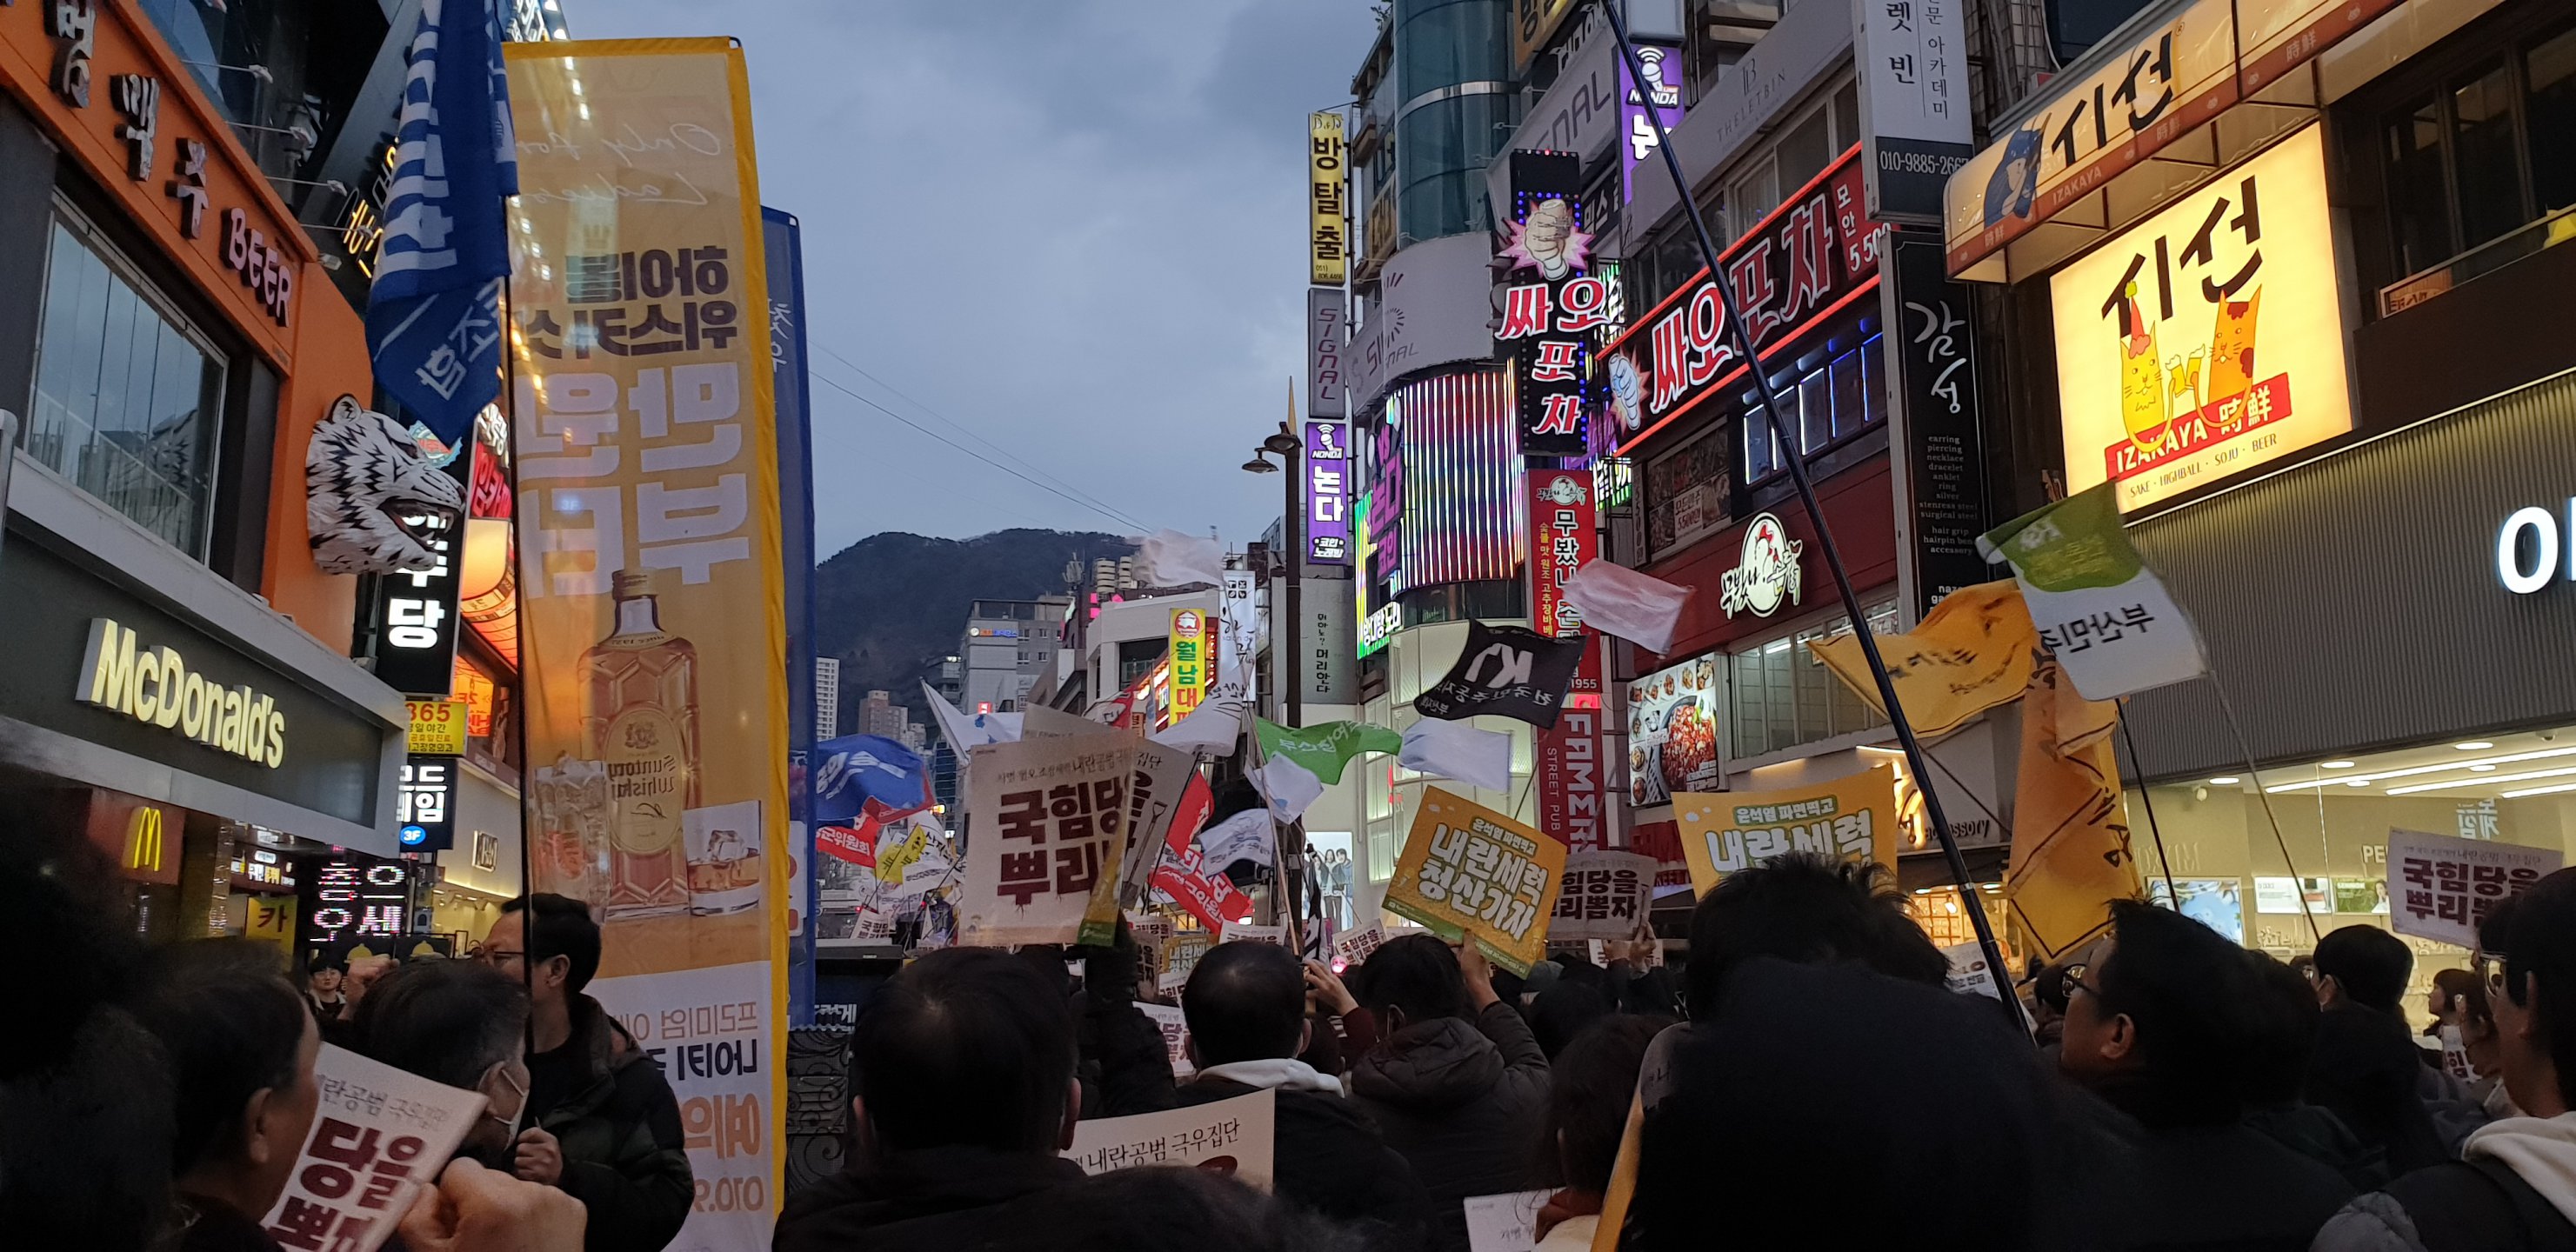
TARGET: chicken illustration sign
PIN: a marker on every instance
(2208, 339)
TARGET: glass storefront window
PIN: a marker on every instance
(1780, 696)
(128, 397)
(1686, 491)
(1826, 400)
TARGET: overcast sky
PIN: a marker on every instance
(1073, 227)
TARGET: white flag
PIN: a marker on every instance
(1213, 726)
(1458, 750)
(1246, 836)
(1290, 788)
(1616, 600)
(1172, 559)
(2114, 627)
(965, 734)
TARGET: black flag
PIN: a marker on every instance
(1505, 671)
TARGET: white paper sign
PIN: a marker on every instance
(1352, 947)
(1246, 932)
(1175, 1026)
(1047, 822)
(378, 1136)
(1506, 1222)
(1968, 974)
(2440, 887)
(1225, 1136)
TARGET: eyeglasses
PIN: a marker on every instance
(2074, 976)
(2490, 970)
(496, 956)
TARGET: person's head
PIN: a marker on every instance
(2527, 956)
(1562, 1012)
(322, 977)
(1589, 1087)
(241, 1045)
(454, 1022)
(555, 936)
(1412, 978)
(1245, 1002)
(2364, 965)
(2277, 1065)
(1811, 909)
(2166, 1006)
(967, 1046)
(1165, 1206)
(2450, 994)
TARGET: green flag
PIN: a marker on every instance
(2107, 616)
(1324, 750)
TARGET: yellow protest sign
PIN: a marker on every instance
(1969, 654)
(1468, 871)
(437, 727)
(1853, 818)
(2070, 838)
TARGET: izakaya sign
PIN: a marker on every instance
(1811, 256)
(2173, 369)
(154, 685)
(1551, 302)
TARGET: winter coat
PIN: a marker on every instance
(1462, 1102)
(945, 1197)
(624, 1156)
(1327, 1155)
(2226, 1187)
(2464, 1206)
(2364, 1070)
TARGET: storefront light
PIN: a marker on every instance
(2229, 781)
(2474, 745)
(2417, 771)
(2337, 764)
(2482, 769)
(2528, 776)
(2541, 791)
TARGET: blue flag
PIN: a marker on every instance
(433, 315)
(854, 771)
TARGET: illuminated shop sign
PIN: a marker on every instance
(154, 685)
(1463, 513)
(1550, 299)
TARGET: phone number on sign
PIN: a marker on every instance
(1920, 163)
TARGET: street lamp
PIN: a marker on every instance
(1285, 446)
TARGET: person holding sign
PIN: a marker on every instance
(241, 1047)
(1457, 1081)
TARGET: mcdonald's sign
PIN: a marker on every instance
(144, 849)
(144, 837)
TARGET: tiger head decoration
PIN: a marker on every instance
(373, 500)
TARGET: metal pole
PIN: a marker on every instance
(1292, 859)
(1788, 438)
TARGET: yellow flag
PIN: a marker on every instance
(2070, 842)
(1969, 654)
(1852, 818)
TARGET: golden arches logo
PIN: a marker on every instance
(143, 842)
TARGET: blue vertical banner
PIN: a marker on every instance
(433, 313)
(782, 242)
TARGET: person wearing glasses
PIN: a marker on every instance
(2170, 1023)
(2515, 1189)
(601, 1122)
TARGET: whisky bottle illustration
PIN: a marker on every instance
(640, 720)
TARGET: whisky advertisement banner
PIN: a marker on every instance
(653, 623)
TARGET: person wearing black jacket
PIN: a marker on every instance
(1246, 1006)
(2366, 1066)
(963, 1096)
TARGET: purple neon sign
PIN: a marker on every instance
(1328, 493)
(1636, 133)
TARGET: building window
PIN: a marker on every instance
(1834, 394)
(1781, 696)
(128, 396)
(1686, 491)
(2483, 153)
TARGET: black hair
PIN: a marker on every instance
(560, 926)
(321, 962)
(232, 1026)
(59, 895)
(1245, 1002)
(1415, 973)
(1590, 1086)
(965, 1046)
(2048, 986)
(2276, 1066)
(1811, 909)
(2370, 964)
(447, 1021)
(2198, 1006)
(2536, 934)
(1563, 1011)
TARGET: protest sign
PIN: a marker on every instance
(1049, 817)
(1224, 1136)
(379, 1134)
(1156, 787)
(2070, 841)
(1245, 932)
(1467, 870)
(1175, 1026)
(1505, 671)
(853, 844)
(1606, 895)
(2441, 887)
(1506, 1222)
(1853, 818)
(1351, 947)
(1968, 971)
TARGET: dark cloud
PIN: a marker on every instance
(1074, 228)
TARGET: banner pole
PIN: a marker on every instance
(2146, 800)
(2243, 746)
(518, 659)
(1788, 439)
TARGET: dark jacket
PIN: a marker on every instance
(624, 1156)
(2228, 1188)
(2364, 1071)
(1462, 1103)
(1328, 1156)
(214, 1226)
(934, 1198)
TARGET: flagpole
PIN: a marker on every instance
(2228, 708)
(1787, 438)
(2138, 767)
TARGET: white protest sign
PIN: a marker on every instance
(2440, 887)
(1504, 1223)
(1048, 819)
(378, 1135)
(1351, 947)
(1223, 1136)
(1968, 974)
(1246, 932)
(1176, 1035)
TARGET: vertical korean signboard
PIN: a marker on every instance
(1568, 756)
(1913, 69)
(1328, 227)
(1328, 493)
(654, 613)
(1193, 651)
(1550, 301)
(1642, 104)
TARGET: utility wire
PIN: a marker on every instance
(1095, 506)
(963, 429)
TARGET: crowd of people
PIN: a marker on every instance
(1810, 1079)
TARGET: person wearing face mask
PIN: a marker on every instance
(240, 1045)
(461, 1024)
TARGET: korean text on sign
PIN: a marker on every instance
(2441, 888)
(1467, 870)
(377, 1134)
